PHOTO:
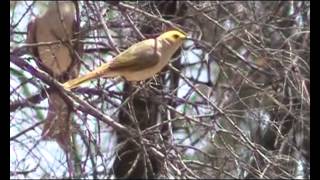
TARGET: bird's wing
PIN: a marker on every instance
(138, 57)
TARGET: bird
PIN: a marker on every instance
(139, 62)
(58, 23)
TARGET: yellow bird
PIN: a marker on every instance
(139, 62)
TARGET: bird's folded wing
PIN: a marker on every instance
(138, 57)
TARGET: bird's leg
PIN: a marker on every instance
(140, 84)
(154, 84)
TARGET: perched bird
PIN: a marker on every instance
(139, 62)
(58, 23)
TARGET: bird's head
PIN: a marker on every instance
(173, 37)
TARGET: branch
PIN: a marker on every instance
(80, 104)
(31, 100)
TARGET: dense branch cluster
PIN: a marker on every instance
(233, 103)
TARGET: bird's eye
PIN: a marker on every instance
(175, 36)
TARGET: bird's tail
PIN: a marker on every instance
(100, 71)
